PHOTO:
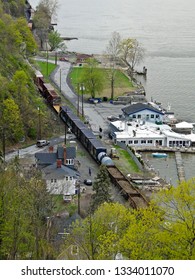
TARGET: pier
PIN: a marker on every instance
(180, 167)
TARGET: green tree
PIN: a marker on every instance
(166, 230)
(28, 45)
(97, 236)
(178, 205)
(14, 8)
(11, 120)
(92, 78)
(55, 41)
(19, 89)
(102, 188)
(141, 240)
(25, 205)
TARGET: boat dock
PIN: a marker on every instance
(180, 167)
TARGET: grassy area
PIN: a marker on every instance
(122, 82)
(46, 68)
(125, 162)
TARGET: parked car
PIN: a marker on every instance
(88, 182)
(42, 143)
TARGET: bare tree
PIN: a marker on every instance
(113, 50)
(44, 14)
(131, 52)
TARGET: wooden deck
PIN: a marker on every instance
(180, 167)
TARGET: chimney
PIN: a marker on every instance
(50, 149)
(59, 163)
(64, 155)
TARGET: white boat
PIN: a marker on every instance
(159, 155)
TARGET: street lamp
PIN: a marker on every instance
(78, 100)
(47, 56)
(60, 80)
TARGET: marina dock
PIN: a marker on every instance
(180, 167)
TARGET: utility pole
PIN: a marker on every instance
(79, 197)
(65, 133)
(82, 88)
(78, 100)
(47, 56)
(60, 80)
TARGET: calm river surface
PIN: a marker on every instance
(165, 28)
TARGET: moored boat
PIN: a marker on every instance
(159, 155)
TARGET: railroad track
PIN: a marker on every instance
(135, 198)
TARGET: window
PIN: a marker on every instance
(134, 116)
(150, 141)
(69, 161)
(143, 141)
(152, 116)
(66, 178)
(170, 143)
(157, 116)
(135, 141)
(130, 141)
(139, 116)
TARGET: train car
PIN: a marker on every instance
(50, 94)
(93, 145)
(39, 80)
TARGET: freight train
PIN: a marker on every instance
(89, 140)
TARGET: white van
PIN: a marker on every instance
(42, 143)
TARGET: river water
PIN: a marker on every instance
(165, 28)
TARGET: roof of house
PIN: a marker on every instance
(135, 108)
(54, 172)
(46, 158)
(50, 158)
(70, 152)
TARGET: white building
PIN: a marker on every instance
(143, 111)
(139, 133)
(60, 179)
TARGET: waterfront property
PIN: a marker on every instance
(143, 111)
(144, 125)
(137, 133)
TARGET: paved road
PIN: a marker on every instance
(96, 114)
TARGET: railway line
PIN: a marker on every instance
(91, 143)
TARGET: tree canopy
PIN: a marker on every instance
(163, 231)
(129, 50)
(92, 78)
(25, 205)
